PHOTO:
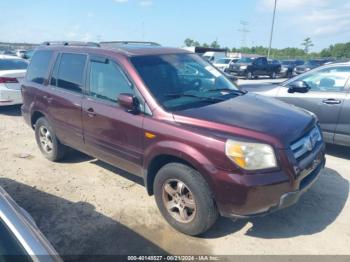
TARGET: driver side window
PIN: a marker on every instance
(332, 79)
(107, 81)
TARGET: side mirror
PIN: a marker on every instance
(298, 87)
(129, 102)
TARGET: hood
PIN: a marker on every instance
(253, 114)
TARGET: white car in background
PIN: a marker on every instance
(224, 63)
(20, 53)
(12, 71)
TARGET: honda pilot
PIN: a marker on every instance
(203, 147)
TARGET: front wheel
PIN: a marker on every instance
(184, 199)
(250, 75)
(47, 141)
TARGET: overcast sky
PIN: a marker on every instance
(169, 22)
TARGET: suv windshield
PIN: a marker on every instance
(181, 81)
(245, 60)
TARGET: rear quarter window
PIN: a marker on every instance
(38, 69)
(69, 71)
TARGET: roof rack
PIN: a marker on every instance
(71, 43)
(123, 43)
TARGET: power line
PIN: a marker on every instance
(272, 27)
(244, 32)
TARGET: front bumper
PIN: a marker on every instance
(242, 196)
(237, 72)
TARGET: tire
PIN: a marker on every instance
(47, 141)
(273, 75)
(250, 75)
(195, 191)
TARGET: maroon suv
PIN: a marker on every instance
(203, 146)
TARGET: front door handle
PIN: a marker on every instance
(91, 112)
(331, 101)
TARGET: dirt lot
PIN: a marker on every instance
(85, 206)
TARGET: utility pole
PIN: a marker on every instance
(244, 31)
(272, 27)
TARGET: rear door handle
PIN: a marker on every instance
(91, 112)
(48, 99)
(331, 101)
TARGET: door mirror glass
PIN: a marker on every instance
(129, 102)
(298, 87)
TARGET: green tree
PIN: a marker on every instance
(215, 44)
(307, 44)
(189, 42)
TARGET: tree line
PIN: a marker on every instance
(339, 50)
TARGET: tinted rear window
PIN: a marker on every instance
(39, 66)
(13, 64)
(69, 72)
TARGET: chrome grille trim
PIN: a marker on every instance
(307, 143)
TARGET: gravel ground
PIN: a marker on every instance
(85, 206)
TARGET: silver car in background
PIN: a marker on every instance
(19, 236)
(323, 91)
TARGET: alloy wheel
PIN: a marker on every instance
(179, 200)
(45, 139)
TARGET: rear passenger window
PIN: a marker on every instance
(69, 72)
(39, 66)
(107, 81)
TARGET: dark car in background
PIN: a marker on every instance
(325, 92)
(308, 65)
(254, 67)
(202, 146)
(20, 238)
(287, 67)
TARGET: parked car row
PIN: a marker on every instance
(253, 67)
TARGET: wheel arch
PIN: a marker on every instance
(188, 156)
(36, 114)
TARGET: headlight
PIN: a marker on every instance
(251, 156)
(243, 67)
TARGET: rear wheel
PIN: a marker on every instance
(47, 141)
(184, 199)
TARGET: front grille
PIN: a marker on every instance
(304, 146)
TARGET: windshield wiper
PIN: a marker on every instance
(204, 98)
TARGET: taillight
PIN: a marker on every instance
(8, 80)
